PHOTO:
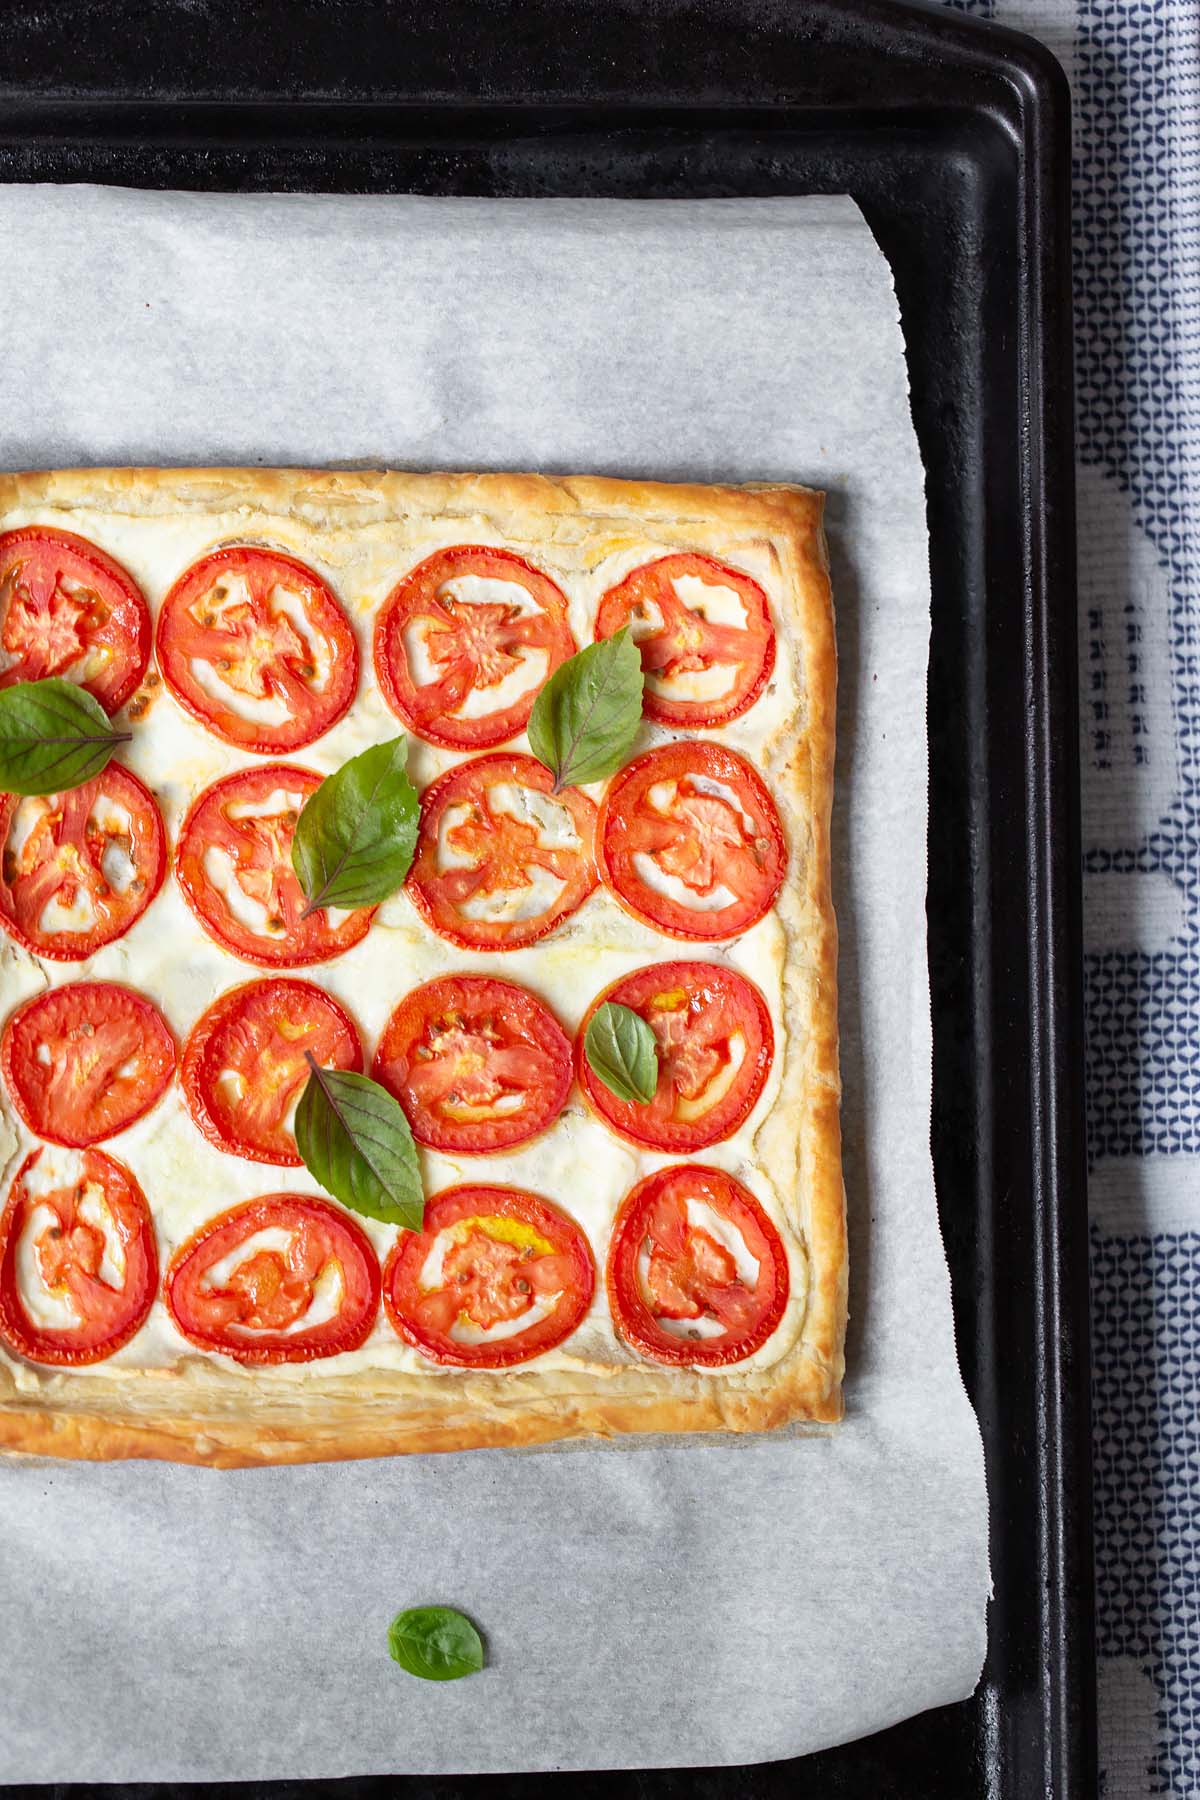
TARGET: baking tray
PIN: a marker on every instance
(954, 138)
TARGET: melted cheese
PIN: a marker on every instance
(578, 1163)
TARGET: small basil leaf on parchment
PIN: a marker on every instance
(621, 1052)
(435, 1642)
(355, 837)
(586, 717)
(354, 1137)
(53, 736)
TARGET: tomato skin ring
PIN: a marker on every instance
(431, 890)
(519, 1021)
(649, 584)
(623, 821)
(319, 712)
(633, 1318)
(185, 1296)
(130, 605)
(416, 595)
(64, 946)
(403, 1295)
(226, 1013)
(20, 1065)
(67, 1348)
(646, 1126)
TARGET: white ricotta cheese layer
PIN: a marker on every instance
(579, 1164)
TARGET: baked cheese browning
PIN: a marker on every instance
(299, 609)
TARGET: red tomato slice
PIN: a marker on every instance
(68, 609)
(700, 669)
(244, 1067)
(697, 1273)
(496, 1276)
(77, 869)
(500, 861)
(478, 1065)
(689, 841)
(254, 645)
(255, 1305)
(84, 1061)
(234, 864)
(463, 668)
(715, 1045)
(77, 1227)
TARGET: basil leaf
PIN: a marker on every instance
(621, 1052)
(586, 717)
(356, 835)
(53, 736)
(435, 1642)
(355, 1139)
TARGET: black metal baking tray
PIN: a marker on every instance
(955, 140)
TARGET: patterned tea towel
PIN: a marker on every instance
(1134, 69)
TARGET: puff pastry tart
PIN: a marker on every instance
(592, 1257)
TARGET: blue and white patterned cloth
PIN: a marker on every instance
(1134, 68)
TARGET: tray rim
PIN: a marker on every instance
(1032, 101)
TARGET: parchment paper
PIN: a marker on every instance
(645, 1603)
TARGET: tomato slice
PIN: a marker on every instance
(77, 869)
(283, 1279)
(689, 841)
(715, 1044)
(83, 1061)
(697, 1273)
(66, 608)
(78, 1258)
(500, 859)
(496, 1276)
(478, 1065)
(465, 641)
(234, 864)
(255, 646)
(244, 1067)
(705, 634)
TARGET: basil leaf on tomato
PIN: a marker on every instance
(356, 1141)
(355, 837)
(586, 718)
(436, 1643)
(621, 1052)
(53, 737)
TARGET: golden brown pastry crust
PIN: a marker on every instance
(203, 1412)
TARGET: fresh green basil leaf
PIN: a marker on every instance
(435, 1642)
(586, 717)
(355, 837)
(53, 736)
(354, 1137)
(621, 1052)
